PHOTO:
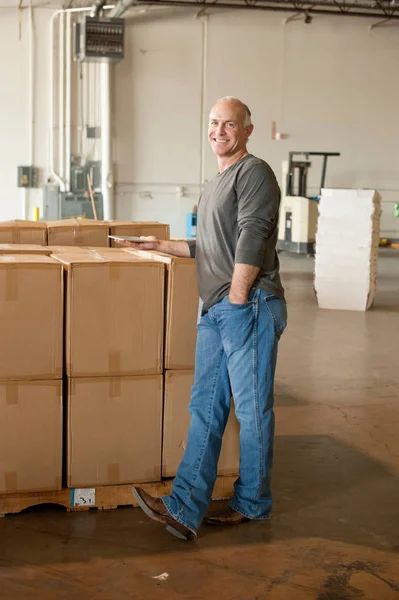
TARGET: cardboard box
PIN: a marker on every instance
(99, 250)
(160, 230)
(30, 436)
(23, 232)
(24, 249)
(182, 302)
(106, 252)
(69, 250)
(116, 254)
(114, 316)
(177, 395)
(31, 317)
(78, 232)
(114, 430)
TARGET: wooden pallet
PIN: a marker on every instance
(106, 497)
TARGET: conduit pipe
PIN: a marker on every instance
(68, 100)
(106, 142)
(204, 115)
(58, 177)
(31, 108)
(61, 98)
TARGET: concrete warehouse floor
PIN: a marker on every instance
(334, 530)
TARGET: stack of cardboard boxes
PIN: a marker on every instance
(112, 330)
(31, 324)
(113, 353)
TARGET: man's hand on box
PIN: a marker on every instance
(151, 243)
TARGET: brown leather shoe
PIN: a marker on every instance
(225, 516)
(156, 510)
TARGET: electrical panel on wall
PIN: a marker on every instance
(79, 175)
(76, 202)
(27, 177)
(98, 39)
(68, 205)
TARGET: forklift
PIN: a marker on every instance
(298, 212)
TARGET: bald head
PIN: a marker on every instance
(243, 109)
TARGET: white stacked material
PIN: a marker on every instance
(347, 242)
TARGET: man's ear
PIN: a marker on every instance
(249, 129)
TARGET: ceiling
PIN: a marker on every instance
(386, 10)
(43, 3)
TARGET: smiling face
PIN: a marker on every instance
(227, 133)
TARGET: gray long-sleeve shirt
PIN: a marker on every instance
(237, 223)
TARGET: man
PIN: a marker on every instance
(243, 317)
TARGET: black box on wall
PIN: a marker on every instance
(27, 177)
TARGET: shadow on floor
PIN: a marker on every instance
(283, 397)
(323, 488)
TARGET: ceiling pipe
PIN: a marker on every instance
(121, 8)
(327, 8)
(97, 7)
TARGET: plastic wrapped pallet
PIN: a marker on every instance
(347, 241)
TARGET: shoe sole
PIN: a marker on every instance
(153, 515)
(150, 513)
(224, 523)
(177, 533)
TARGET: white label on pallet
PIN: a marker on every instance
(83, 497)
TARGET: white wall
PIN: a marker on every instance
(14, 125)
(330, 85)
(157, 121)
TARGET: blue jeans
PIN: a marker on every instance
(236, 355)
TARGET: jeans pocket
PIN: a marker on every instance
(236, 324)
(278, 312)
(252, 299)
(235, 306)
